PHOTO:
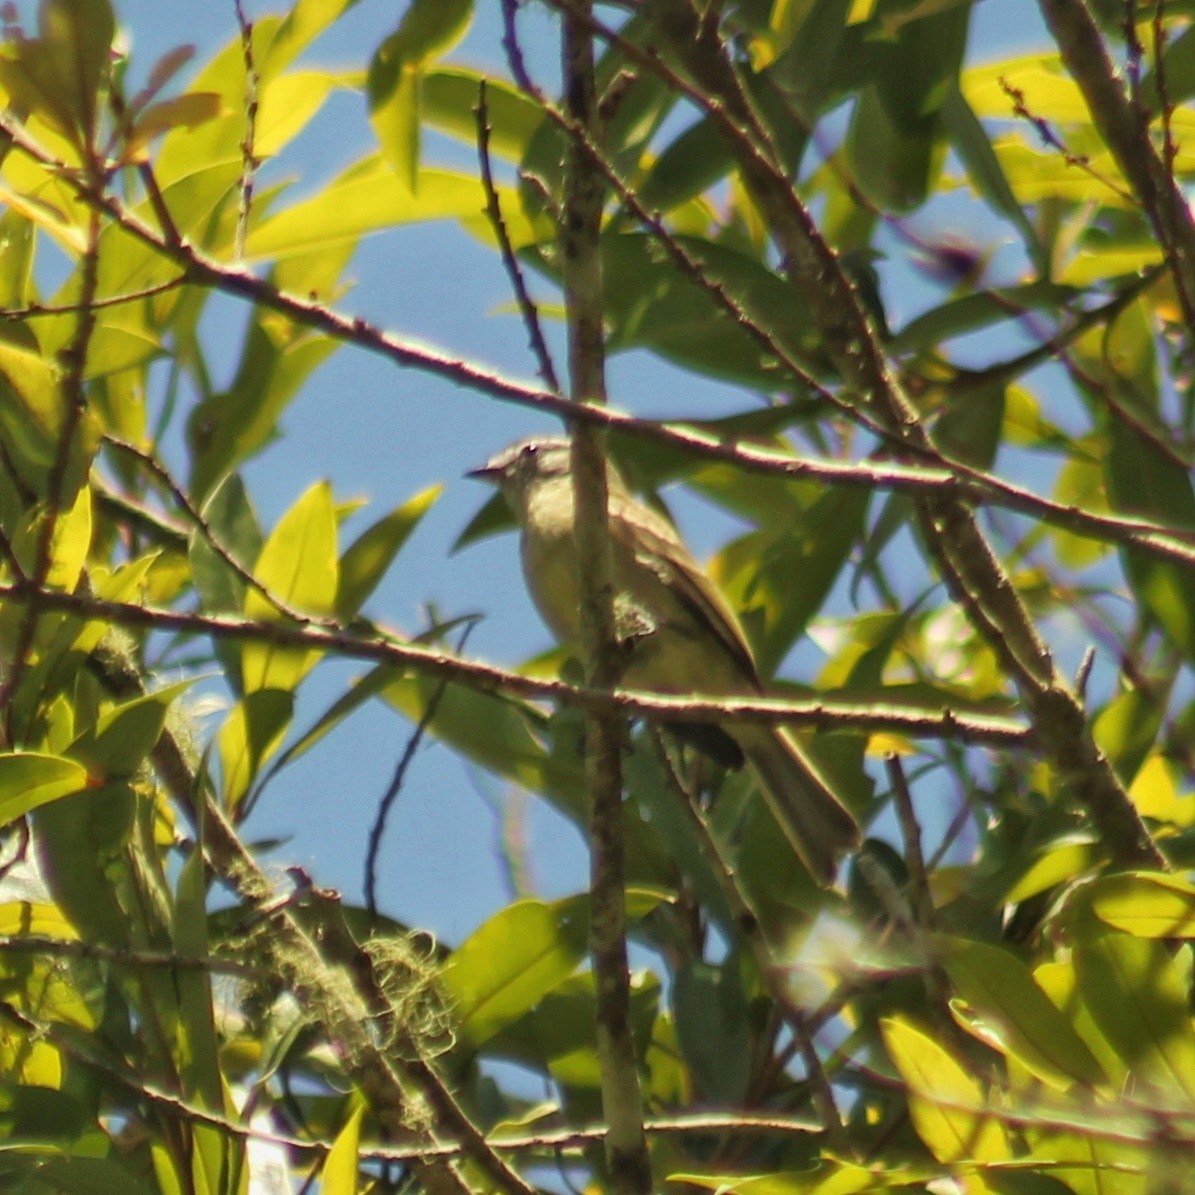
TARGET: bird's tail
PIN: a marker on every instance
(820, 829)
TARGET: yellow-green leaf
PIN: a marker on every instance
(1137, 996)
(369, 198)
(1145, 904)
(297, 565)
(1009, 1010)
(29, 779)
(365, 562)
(121, 739)
(340, 1170)
(947, 1104)
(21, 917)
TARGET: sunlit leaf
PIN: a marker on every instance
(1009, 1010)
(1137, 995)
(947, 1103)
(1144, 904)
(298, 567)
(366, 560)
(28, 780)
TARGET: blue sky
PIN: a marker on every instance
(383, 433)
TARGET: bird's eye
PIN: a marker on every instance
(530, 451)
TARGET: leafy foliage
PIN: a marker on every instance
(999, 993)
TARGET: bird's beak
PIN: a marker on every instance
(488, 472)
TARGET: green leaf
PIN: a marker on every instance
(430, 28)
(79, 36)
(946, 1103)
(1141, 480)
(1178, 69)
(969, 429)
(506, 966)
(971, 143)
(686, 167)
(122, 738)
(393, 88)
(198, 1045)
(976, 311)
(230, 427)
(894, 140)
(78, 838)
(29, 779)
(16, 262)
(1137, 996)
(251, 733)
(233, 522)
(341, 1166)
(306, 20)
(369, 198)
(31, 404)
(1080, 483)
(186, 111)
(69, 543)
(502, 734)
(1008, 1010)
(494, 517)
(1050, 93)
(288, 105)
(833, 1178)
(58, 75)
(450, 97)
(78, 1175)
(1144, 904)
(780, 576)
(651, 304)
(121, 341)
(362, 689)
(297, 565)
(365, 562)
(713, 1027)
(810, 69)
(556, 1035)
(1126, 730)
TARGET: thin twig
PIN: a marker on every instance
(396, 782)
(512, 47)
(35, 310)
(920, 896)
(530, 313)
(151, 463)
(747, 923)
(1053, 141)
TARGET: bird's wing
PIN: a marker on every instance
(657, 546)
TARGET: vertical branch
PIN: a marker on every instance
(1125, 131)
(622, 1102)
(74, 365)
(249, 161)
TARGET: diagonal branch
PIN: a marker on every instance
(948, 525)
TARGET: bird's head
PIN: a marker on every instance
(515, 470)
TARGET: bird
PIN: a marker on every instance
(677, 633)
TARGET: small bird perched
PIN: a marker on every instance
(678, 632)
